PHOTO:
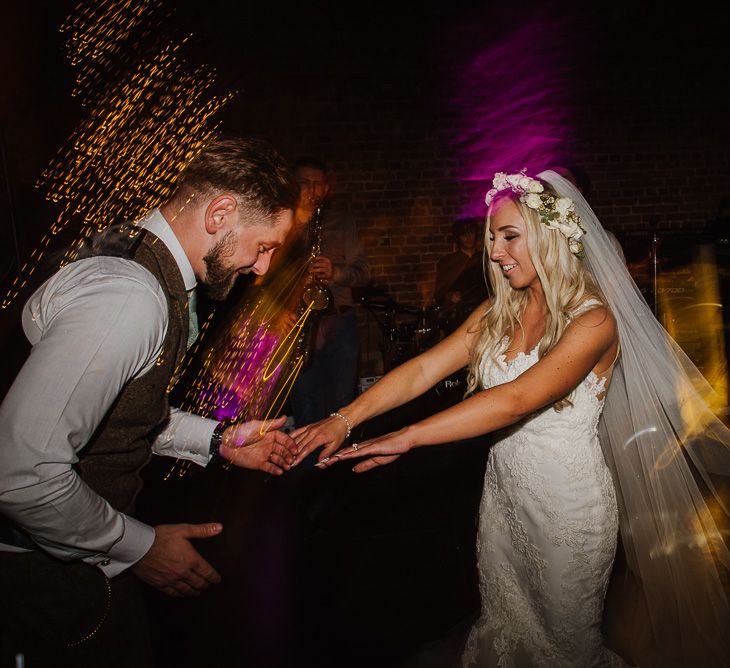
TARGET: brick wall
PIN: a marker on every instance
(369, 95)
(650, 129)
(648, 107)
(654, 121)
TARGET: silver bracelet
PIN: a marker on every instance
(347, 422)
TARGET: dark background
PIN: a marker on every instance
(375, 90)
(378, 93)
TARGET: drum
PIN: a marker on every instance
(427, 331)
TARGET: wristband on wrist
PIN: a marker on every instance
(216, 440)
(347, 422)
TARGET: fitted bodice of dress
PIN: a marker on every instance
(547, 532)
(570, 434)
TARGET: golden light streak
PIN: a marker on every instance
(286, 347)
(702, 535)
(147, 114)
(250, 367)
(689, 300)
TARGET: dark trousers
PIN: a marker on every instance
(58, 614)
(328, 383)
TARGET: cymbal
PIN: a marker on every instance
(388, 305)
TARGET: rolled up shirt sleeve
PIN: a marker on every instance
(94, 326)
(186, 436)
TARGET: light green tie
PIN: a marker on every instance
(193, 316)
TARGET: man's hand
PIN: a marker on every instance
(257, 445)
(323, 269)
(173, 565)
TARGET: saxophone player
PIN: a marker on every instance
(330, 378)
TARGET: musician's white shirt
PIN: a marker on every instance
(94, 326)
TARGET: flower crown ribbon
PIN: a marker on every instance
(557, 213)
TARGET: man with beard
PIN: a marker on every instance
(90, 404)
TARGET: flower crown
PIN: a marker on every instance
(558, 213)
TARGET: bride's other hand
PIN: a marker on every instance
(328, 434)
(377, 451)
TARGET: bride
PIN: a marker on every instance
(597, 415)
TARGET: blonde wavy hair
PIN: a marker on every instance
(565, 281)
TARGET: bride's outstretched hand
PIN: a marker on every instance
(328, 433)
(376, 451)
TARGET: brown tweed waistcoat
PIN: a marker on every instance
(121, 445)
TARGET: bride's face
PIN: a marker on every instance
(508, 235)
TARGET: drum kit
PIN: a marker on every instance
(407, 331)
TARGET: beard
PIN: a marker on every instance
(220, 276)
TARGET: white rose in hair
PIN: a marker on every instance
(563, 205)
(490, 196)
(514, 179)
(525, 183)
(568, 229)
(535, 186)
(533, 200)
(575, 247)
(500, 181)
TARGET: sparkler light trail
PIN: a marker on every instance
(147, 113)
(249, 369)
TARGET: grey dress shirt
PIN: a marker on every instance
(94, 325)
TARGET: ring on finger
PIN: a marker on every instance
(355, 446)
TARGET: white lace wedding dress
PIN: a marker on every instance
(547, 534)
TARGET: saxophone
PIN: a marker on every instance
(316, 296)
(316, 292)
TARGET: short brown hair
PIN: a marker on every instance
(462, 225)
(250, 169)
(311, 162)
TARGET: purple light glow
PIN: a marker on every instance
(251, 367)
(236, 387)
(512, 106)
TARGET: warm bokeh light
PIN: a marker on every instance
(248, 370)
(691, 311)
(147, 112)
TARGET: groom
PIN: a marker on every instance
(90, 404)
